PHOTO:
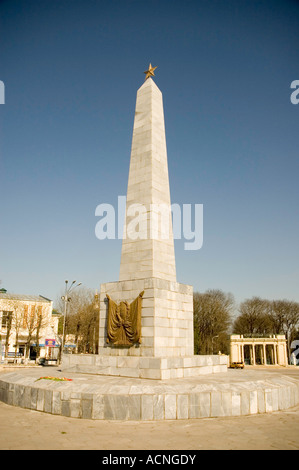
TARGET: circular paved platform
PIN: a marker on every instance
(235, 393)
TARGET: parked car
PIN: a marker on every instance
(47, 362)
(237, 365)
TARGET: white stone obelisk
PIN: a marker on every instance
(147, 258)
(147, 264)
(148, 247)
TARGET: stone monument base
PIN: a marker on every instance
(234, 393)
(159, 368)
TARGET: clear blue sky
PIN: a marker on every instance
(71, 69)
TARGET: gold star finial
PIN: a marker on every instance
(150, 72)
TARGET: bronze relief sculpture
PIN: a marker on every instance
(124, 322)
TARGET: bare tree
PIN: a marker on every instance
(212, 319)
(40, 322)
(7, 321)
(253, 318)
(18, 321)
(11, 320)
(82, 319)
(33, 321)
(86, 323)
(284, 316)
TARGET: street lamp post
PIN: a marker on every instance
(97, 310)
(66, 298)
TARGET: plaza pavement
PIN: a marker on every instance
(23, 429)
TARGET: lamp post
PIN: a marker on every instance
(96, 307)
(66, 298)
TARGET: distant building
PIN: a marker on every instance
(259, 351)
(28, 328)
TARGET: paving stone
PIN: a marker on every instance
(182, 407)
(65, 408)
(170, 406)
(147, 407)
(116, 407)
(56, 403)
(158, 403)
(40, 400)
(245, 403)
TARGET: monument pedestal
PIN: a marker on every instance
(158, 368)
(166, 347)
